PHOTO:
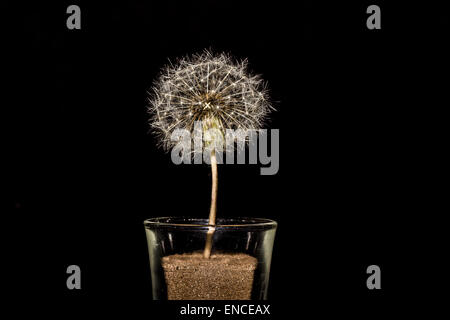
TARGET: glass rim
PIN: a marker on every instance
(235, 222)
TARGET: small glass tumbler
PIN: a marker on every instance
(238, 268)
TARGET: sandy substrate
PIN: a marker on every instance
(221, 277)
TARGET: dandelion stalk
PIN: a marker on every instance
(212, 210)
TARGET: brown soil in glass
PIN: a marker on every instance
(221, 277)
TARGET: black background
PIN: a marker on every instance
(82, 171)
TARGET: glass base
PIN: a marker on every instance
(238, 268)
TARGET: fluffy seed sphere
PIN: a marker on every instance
(213, 89)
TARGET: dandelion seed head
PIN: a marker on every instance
(211, 88)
